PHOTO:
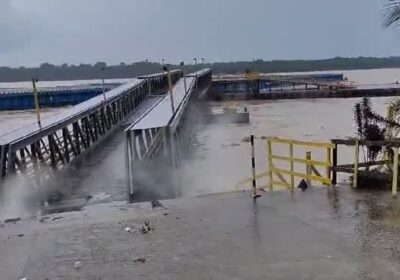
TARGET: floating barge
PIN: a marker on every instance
(22, 99)
(263, 86)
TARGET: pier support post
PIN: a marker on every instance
(3, 160)
(329, 162)
(148, 138)
(253, 168)
(291, 167)
(129, 160)
(356, 160)
(395, 171)
(334, 164)
(149, 86)
(390, 117)
(308, 168)
(270, 166)
(142, 146)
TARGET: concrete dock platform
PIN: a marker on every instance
(319, 234)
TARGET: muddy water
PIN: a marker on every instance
(11, 120)
(222, 157)
(16, 120)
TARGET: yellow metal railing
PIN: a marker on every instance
(328, 166)
(311, 173)
(286, 177)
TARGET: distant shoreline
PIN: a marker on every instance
(49, 72)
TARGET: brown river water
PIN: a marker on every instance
(221, 157)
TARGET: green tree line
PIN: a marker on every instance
(50, 72)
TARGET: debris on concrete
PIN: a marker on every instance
(13, 220)
(165, 213)
(43, 219)
(128, 229)
(177, 259)
(56, 219)
(140, 260)
(21, 235)
(156, 204)
(77, 265)
(23, 278)
(303, 185)
(146, 227)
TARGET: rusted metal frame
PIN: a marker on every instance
(118, 110)
(352, 142)
(34, 157)
(95, 128)
(39, 150)
(142, 146)
(71, 141)
(23, 159)
(3, 161)
(97, 123)
(44, 147)
(90, 129)
(58, 147)
(110, 116)
(75, 129)
(52, 150)
(18, 162)
(86, 132)
(10, 161)
(104, 122)
(65, 133)
(81, 134)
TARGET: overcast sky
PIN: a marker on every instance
(86, 31)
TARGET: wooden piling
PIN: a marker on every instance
(308, 168)
(270, 166)
(329, 162)
(253, 167)
(395, 171)
(291, 168)
(334, 165)
(356, 161)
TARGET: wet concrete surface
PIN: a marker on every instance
(319, 234)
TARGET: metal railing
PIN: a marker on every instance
(310, 170)
(39, 151)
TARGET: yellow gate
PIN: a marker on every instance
(277, 175)
(316, 155)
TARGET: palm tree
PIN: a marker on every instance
(392, 13)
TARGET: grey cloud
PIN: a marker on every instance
(86, 31)
(15, 31)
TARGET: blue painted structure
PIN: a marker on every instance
(268, 83)
(49, 97)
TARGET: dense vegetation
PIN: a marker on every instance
(99, 70)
